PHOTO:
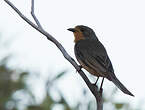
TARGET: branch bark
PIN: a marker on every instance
(93, 88)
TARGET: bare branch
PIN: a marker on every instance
(33, 15)
(93, 88)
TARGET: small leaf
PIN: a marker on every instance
(32, 107)
(119, 105)
(59, 75)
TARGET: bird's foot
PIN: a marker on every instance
(101, 90)
(94, 84)
(80, 67)
(96, 81)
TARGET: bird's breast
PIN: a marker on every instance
(78, 36)
(89, 69)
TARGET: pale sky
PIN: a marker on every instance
(119, 25)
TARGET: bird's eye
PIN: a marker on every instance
(82, 30)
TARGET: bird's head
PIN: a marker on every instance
(82, 32)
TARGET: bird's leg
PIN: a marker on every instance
(96, 81)
(80, 67)
(101, 89)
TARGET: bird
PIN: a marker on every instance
(92, 56)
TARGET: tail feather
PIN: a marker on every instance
(114, 79)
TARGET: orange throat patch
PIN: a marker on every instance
(78, 36)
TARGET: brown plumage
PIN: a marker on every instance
(92, 55)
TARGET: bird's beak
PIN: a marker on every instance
(71, 29)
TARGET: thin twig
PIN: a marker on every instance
(93, 88)
(33, 15)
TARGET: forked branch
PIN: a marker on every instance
(93, 88)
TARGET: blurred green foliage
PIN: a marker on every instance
(13, 81)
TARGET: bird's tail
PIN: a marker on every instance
(114, 79)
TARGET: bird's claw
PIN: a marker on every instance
(80, 67)
(101, 90)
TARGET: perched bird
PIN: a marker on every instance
(92, 56)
